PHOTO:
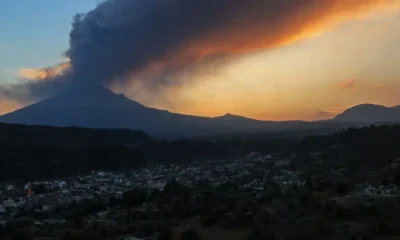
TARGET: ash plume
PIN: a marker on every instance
(123, 41)
(26, 92)
(44, 73)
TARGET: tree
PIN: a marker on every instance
(173, 187)
(22, 234)
(397, 179)
(68, 236)
(265, 233)
(165, 233)
(134, 197)
(78, 222)
(342, 188)
(190, 235)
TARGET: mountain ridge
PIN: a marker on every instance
(94, 106)
(370, 113)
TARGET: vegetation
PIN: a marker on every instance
(190, 235)
(322, 206)
(34, 152)
(368, 145)
(75, 136)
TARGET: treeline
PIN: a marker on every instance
(38, 161)
(46, 135)
(205, 149)
(61, 152)
(37, 152)
(373, 145)
(34, 162)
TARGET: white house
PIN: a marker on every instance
(10, 187)
(131, 238)
(10, 203)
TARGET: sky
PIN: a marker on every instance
(354, 62)
(34, 35)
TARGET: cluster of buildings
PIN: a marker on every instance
(382, 190)
(248, 173)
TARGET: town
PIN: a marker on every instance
(248, 174)
(258, 176)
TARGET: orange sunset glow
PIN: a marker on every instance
(44, 73)
(311, 65)
(352, 63)
(8, 106)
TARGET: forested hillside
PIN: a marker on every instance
(42, 152)
(46, 135)
(369, 145)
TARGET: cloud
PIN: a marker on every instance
(155, 41)
(346, 84)
(8, 106)
(324, 114)
(353, 84)
(379, 87)
(330, 112)
(44, 73)
(36, 84)
(28, 91)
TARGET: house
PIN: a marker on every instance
(130, 238)
(10, 187)
(282, 162)
(9, 203)
(103, 215)
(158, 185)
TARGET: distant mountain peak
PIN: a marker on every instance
(229, 116)
(370, 113)
(367, 105)
(95, 106)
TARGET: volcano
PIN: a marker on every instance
(94, 106)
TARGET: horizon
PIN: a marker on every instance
(343, 58)
(225, 114)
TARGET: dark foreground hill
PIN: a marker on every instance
(47, 135)
(367, 146)
(53, 155)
